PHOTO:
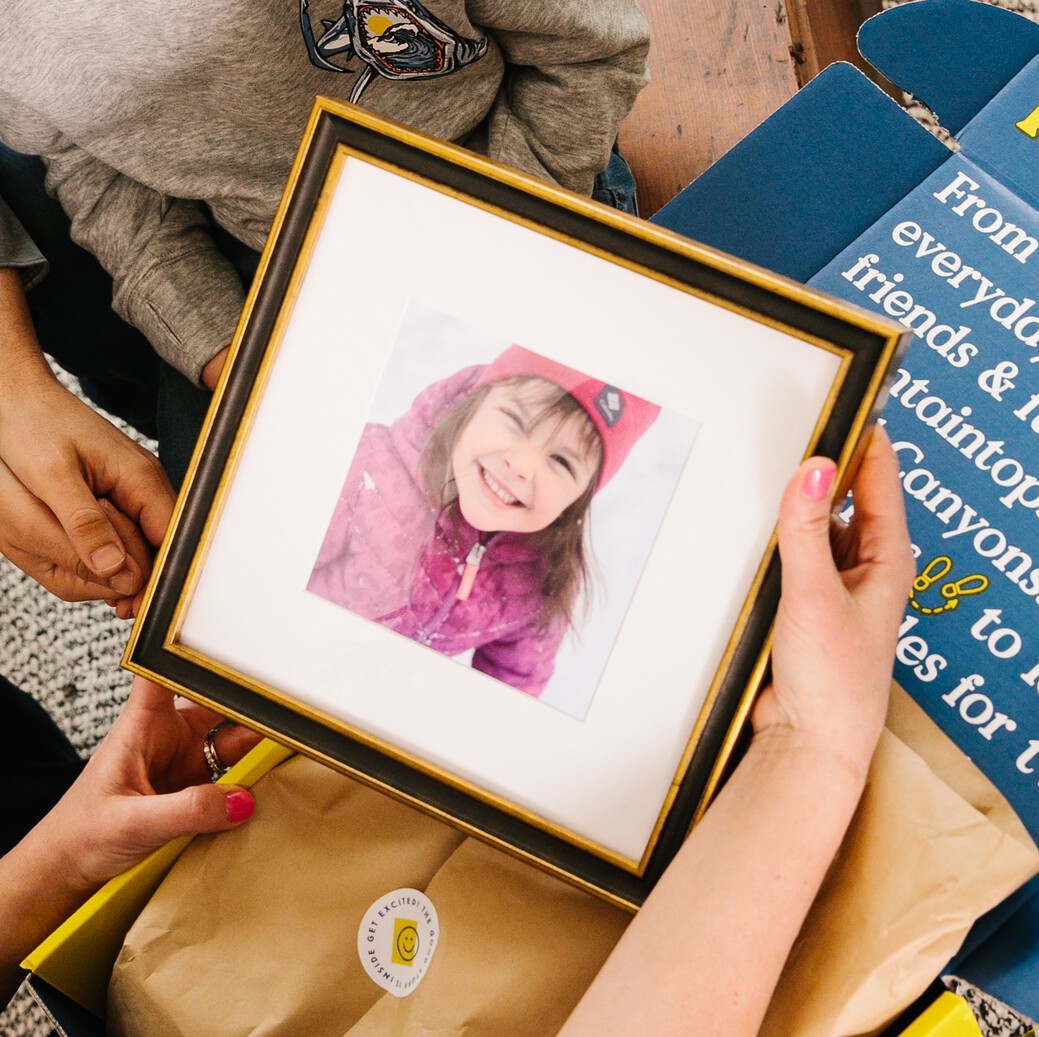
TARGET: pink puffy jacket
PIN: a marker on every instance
(389, 556)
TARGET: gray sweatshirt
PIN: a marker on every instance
(153, 115)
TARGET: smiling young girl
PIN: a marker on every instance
(462, 525)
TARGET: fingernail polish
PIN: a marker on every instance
(818, 481)
(239, 805)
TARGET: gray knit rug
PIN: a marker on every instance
(67, 656)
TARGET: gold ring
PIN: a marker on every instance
(213, 761)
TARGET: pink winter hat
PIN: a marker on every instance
(619, 417)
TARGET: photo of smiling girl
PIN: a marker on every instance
(463, 524)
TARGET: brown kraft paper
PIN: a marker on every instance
(932, 847)
(255, 931)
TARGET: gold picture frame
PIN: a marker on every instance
(393, 256)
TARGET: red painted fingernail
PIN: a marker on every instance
(239, 805)
(818, 481)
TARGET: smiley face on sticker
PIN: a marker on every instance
(405, 941)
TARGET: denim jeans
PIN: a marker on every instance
(615, 185)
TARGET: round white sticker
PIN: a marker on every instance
(396, 940)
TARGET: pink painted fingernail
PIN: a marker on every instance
(239, 805)
(818, 481)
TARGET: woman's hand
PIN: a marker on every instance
(148, 782)
(844, 595)
(705, 951)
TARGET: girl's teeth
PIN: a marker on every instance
(497, 490)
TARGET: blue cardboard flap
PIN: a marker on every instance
(801, 187)
(981, 49)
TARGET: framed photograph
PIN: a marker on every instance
(484, 509)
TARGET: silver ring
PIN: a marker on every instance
(213, 761)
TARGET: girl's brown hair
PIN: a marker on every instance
(560, 545)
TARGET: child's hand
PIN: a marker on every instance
(81, 504)
(61, 465)
(842, 602)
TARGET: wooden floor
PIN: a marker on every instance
(719, 67)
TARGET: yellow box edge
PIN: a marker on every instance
(948, 1016)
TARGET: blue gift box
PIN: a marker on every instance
(843, 190)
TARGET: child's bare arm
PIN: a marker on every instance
(704, 953)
